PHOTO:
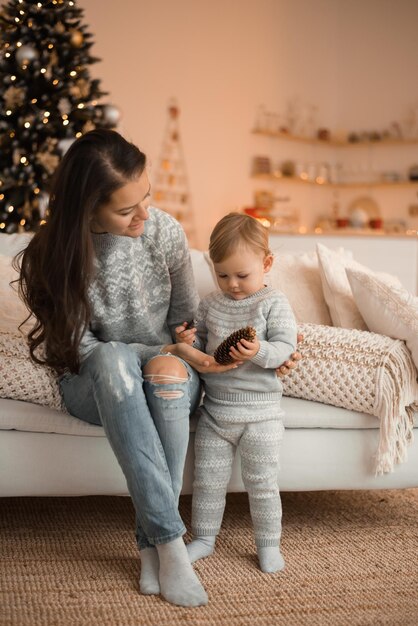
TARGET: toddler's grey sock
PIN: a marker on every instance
(178, 582)
(201, 547)
(148, 581)
(270, 559)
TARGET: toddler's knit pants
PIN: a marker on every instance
(215, 446)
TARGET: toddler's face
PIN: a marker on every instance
(242, 274)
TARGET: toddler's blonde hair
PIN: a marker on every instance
(235, 229)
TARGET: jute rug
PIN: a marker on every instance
(352, 558)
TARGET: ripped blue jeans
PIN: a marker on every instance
(147, 425)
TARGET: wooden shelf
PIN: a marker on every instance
(335, 143)
(299, 181)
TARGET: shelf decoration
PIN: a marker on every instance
(171, 191)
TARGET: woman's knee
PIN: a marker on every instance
(165, 369)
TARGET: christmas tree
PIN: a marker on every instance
(47, 99)
(171, 191)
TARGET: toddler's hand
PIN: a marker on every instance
(185, 334)
(245, 350)
(285, 368)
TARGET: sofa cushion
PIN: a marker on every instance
(388, 310)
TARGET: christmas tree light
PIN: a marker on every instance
(47, 99)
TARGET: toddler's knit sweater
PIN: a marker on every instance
(143, 288)
(253, 383)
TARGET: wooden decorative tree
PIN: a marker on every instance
(171, 192)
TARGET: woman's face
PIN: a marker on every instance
(126, 211)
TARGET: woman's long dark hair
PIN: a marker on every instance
(57, 266)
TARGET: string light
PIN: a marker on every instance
(19, 43)
(22, 222)
(43, 70)
(80, 106)
(65, 122)
(73, 73)
(2, 225)
(34, 100)
(23, 160)
(26, 124)
(8, 112)
(13, 78)
(78, 134)
(11, 209)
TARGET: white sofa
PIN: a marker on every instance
(44, 452)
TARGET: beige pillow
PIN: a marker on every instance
(387, 309)
(12, 309)
(360, 371)
(21, 378)
(297, 276)
(337, 291)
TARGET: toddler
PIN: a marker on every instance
(241, 407)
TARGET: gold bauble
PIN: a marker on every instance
(76, 38)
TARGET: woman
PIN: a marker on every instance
(108, 279)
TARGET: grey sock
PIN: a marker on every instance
(201, 547)
(270, 559)
(148, 581)
(178, 581)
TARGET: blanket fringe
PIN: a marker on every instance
(396, 390)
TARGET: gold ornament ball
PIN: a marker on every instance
(76, 38)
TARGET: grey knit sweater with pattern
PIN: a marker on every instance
(143, 288)
(253, 383)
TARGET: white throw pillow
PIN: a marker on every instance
(337, 291)
(12, 309)
(387, 309)
(297, 276)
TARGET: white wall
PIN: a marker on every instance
(222, 58)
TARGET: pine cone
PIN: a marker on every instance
(221, 353)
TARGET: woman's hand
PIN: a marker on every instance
(245, 350)
(286, 367)
(185, 333)
(201, 362)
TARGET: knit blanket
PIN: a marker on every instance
(353, 369)
(361, 371)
